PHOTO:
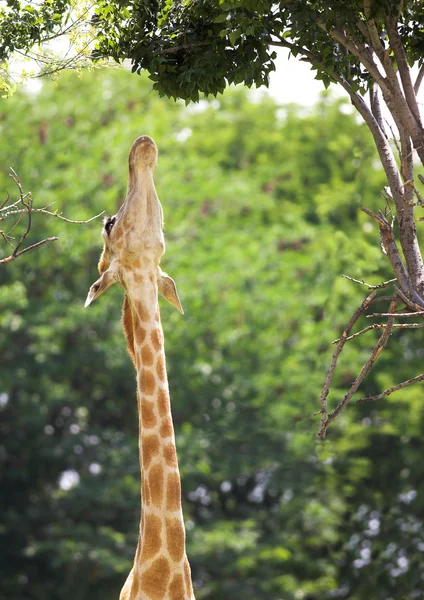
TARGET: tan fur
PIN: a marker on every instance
(133, 246)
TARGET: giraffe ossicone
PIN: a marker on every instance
(133, 246)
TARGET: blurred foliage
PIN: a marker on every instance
(262, 217)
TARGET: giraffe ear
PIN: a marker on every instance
(99, 286)
(168, 289)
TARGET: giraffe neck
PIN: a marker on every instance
(161, 570)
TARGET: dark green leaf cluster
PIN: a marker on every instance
(190, 47)
(23, 24)
(193, 47)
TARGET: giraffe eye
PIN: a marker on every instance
(109, 223)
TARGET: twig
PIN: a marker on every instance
(382, 326)
(383, 299)
(28, 206)
(390, 248)
(383, 284)
(387, 392)
(336, 354)
(27, 202)
(364, 371)
(51, 214)
(15, 255)
(5, 201)
(7, 237)
(417, 305)
(402, 315)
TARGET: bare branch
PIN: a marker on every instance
(401, 315)
(409, 300)
(363, 373)
(336, 354)
(382, 326)
(51, 214)
(8, 209)
(5, 201)
(383, 284)
(387, 392)
(27, 249)
(390, 248)
(7, 238)
(383, 299)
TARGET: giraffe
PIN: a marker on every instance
(133, 245)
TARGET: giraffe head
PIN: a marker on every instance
(133, 238)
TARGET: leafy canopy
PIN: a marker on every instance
(197, 47)
(190, 47)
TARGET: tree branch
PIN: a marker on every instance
(418, 313)
(383, 284)
(360, 52)
(51, 214)
(27, 249)
(8, 209)
(390, 248)
(382, 326)
(341, 342)
(364, 371)
(376, 107)
(403, 67)
(387, 392)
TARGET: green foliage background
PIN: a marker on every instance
(262, 217)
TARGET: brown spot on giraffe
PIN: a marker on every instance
(140, 335)
(175, 538)
(128, 326)
(150, 449)
(142, 311)
(151, 536)
(156, 482)
(138, 278)
(163, 403)
(170, 455)
(156, 337)
(166, 429)
(147, 414)
(173, 491)
(135, 262)
(147, 382)
(177, 589)
(155, 580)
(147, 356)
(160, 367)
